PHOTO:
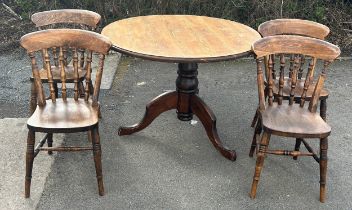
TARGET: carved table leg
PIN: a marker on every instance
(208, 119)
(187, 103)
(157, 106)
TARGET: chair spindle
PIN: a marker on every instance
(292, 60)
(63, 73)
(37, 81)
(300, 72)
(81, 60)
(273, 66)
(270, 80)
(281, 80)
(260, 81)
(75, 73)
(98, 80)
(313, 104)
(56, 61)
(88, 75)
(294, 79)
(49, 75)
(306, 83)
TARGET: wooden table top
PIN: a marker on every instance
(181, 38)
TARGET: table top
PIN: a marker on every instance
(181, 38)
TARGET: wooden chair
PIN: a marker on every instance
(66, 114)
(292, 27)
(285, 117)
(65, 18)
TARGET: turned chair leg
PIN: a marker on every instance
(323, 167)
(50, 142)
(257, 131)
(297, 146)
(260, 162)
(97, 159)
(323, 107)
(29, 162)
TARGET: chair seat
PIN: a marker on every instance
(60, 116)
(56, 71)
(294, 121)
(298, 90)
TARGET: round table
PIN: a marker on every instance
(187, 40)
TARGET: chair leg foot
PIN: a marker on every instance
(323, 167)
(29, 162)
(260, 162)
(50, 142)
(97, 159)
(297, 146)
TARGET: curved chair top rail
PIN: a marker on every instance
(293, 27)
(77, 38)
(292, 44)
(78, 16)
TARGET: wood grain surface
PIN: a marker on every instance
(181, 38)
(65, 37)
(85, 17)
(293, 26)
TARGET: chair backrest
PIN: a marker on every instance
(41, 43)
(83, 18)
(66, 18)
(293, 27)
(296, 45)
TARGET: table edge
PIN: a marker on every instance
(181, 60)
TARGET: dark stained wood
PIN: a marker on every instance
(63, 115)
(293, 26)
(187, 103)
(286, 118)
(181, 38)
(208, 119)
(264, 142)
(76, 16)
(158, 105)
(283, 120)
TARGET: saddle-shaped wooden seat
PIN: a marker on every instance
(70, 115)
(293, 121)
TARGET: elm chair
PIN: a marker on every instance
(291, 27)
(66, 114)
(64, 18)
(285, 117)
